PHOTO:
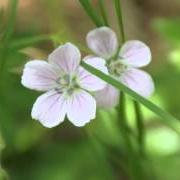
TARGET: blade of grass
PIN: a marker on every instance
(169, 120)
(140, 128)
(91, 12)
(103, 12)
(8, 34)
(134, 166)
(11, 20)
(117, 4)
(28, 41)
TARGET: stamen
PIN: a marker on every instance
(68, 84)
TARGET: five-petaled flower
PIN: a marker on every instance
(122, 64)
(67, 86)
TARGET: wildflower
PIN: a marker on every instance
(122, 64)
(66, 86)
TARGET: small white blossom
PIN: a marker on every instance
(122, 64)
(66, 86)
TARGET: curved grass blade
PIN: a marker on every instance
(169, 120)
(28, 41)
(103, 12)
(91, 12)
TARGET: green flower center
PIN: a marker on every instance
(116, 68)
(68, 84)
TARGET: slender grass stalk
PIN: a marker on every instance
(133, 160)
(136, 105)
(140, 128)
(8, 34)
(9, 29)
(91, 12)
(103, 12)
(134, 166)
(28, 41)
(117, 4)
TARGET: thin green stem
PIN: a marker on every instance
(91, 12)
(123, 126)
(140, 128)
(117, 4)
(103, 12)
(8, 34)
(134, 172)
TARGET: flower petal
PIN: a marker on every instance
(89, 81)
(81, 108)
(135, 53)
(139, 81)
(67, 57)
(103, 42)
(108, 97)
(49, 109)
(39, 75)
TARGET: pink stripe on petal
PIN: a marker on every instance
(89, 81)
(39, 75)
(67, 57)
(49, 109)
(81, 108)
(135, 53)
(103, 42)
(108, 97)
(139, 81)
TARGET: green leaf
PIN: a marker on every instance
(168, 118)
(91, 12)
(118, 8)
(103, 12)
(11, 20)
(28, 41)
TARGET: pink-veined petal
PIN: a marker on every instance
(67, 57)
(39, 75)
(89, 81)
(135, 54)
(50, 109)
(103, 42)
(81, 108)
(139, 81)
(108, 97)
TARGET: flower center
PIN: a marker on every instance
(116, 67)
(68, 83)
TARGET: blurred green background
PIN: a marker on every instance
(32, 152)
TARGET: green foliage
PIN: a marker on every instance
(91, 12)
(169, 29)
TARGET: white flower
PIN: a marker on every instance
(122, 64)
(67, 87)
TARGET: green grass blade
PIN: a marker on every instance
(6, 38)
(117, 5)
(168, 118)
(28, 41)
(103, 12)
(11, 20)
(91, 12)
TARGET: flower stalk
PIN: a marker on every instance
(140, 128)
(139, 120)
(103, 12)
(91, 12)
(133, 163)
(117, 4)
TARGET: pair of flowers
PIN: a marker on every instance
(73, 91)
